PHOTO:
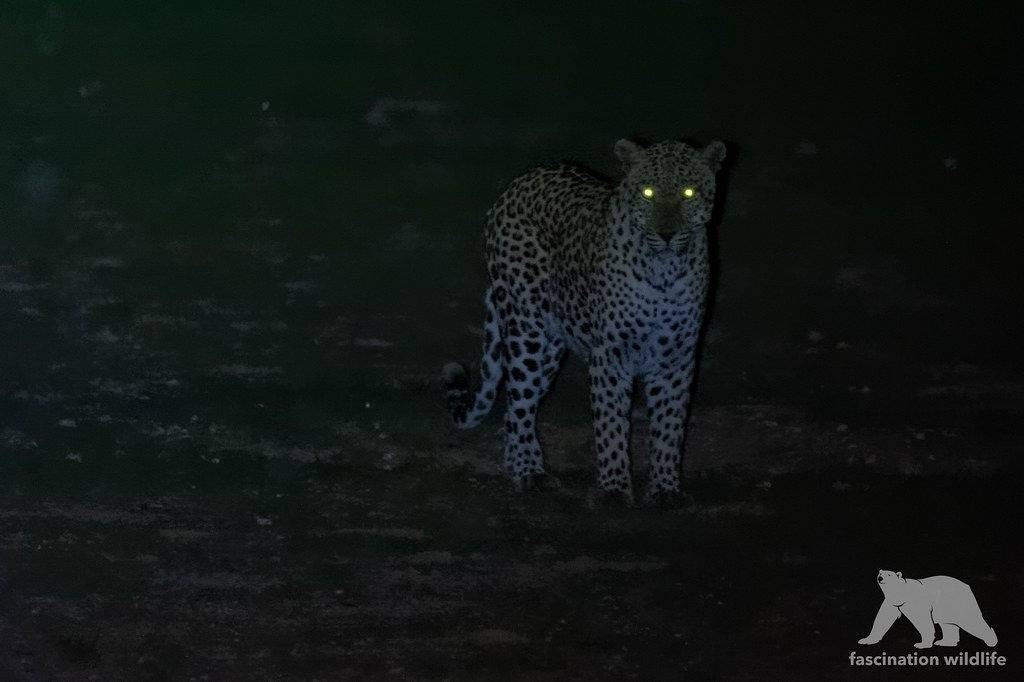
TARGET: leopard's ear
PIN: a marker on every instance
(628, 152)
(714, 153)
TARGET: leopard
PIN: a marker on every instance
(615, 272)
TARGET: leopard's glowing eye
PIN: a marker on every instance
(648, 192)
(689, 192)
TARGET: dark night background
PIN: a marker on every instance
(239, 240)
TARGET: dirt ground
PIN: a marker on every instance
(266, 486)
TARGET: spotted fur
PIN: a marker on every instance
(619, 278)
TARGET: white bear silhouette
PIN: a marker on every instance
(926, 602)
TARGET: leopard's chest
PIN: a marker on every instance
(650, 328)
(602, 293)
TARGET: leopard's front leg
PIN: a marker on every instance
(611, 388)
(668, 398)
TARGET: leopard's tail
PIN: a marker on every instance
(468, 408)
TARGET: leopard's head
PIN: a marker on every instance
(668, 192)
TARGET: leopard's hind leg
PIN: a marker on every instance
(532, 361)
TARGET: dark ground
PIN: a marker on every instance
(238, 486)
(238, 244)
